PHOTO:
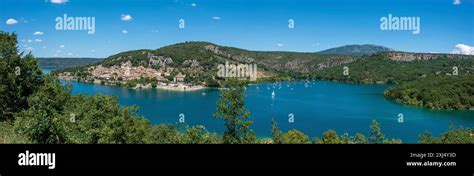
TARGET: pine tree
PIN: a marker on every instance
(231, 109)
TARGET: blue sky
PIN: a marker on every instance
(248, 24)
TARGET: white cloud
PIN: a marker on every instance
(463, 49)
(11, 21)
(153, 30)
(61, 46)
(126, 17)
(456, 2)
(29, 41)
(29, 48)
(44, 47)
(125, 31)
(216, 17)
(38, 40)
(279, 44)
(38, 33)
(59, 1)
(194, 4)
(69, 54)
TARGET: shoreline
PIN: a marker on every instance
(171, 87)
(181, 88)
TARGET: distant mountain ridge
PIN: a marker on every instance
(60, 63)
(356, 50)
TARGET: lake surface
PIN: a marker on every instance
(316, 107)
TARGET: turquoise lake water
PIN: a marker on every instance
(316, 107)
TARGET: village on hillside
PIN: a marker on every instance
(120, 75)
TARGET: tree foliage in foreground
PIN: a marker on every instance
(331, 137)
(452, 136)
(19, 77)
(290, 137)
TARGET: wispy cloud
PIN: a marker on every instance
(29, 41)
(38, 40)
(194, 4)
(11, 21)
(456, 2)
(463, 49)
(61, 46)
(125, 31)
(24, 20)
(59, 1)
(126, 17)
(279, 44)
(216, 17)
(38, 33)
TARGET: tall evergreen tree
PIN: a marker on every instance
(20, 77)
(231, 109)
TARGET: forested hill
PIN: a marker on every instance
(208, 55)
(437, 92)
(390, 68)
(199, 61)
(436, 81)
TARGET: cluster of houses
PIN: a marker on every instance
(126, 72)
(159, 68)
